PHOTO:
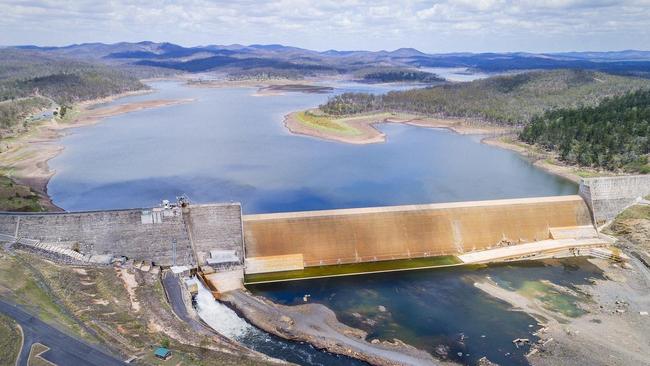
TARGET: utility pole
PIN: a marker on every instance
(174, 252)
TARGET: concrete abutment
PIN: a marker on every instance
(293, 241)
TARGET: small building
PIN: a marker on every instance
(192, 285)
(162, 353)
(223, 258)
(181, 271)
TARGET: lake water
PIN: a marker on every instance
(228, 145)
(231, 146)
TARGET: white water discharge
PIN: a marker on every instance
(225, 321)
(220, 317)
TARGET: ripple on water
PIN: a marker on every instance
(441, 311)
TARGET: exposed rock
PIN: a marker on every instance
(483, 361)
(441, 350)
(286, 319)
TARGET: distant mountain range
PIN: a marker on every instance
(303, 61)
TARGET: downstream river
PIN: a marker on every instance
(229, 145)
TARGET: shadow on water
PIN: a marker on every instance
(440, 310)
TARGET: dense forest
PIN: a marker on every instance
(613, 135)
(397, 75)
(511, 99)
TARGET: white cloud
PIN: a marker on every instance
(434, 26)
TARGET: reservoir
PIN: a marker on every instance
(230, 145)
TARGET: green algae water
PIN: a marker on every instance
(354, 269)
(440, 310)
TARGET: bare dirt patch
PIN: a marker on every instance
(130, 285)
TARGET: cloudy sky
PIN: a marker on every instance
(431, 26)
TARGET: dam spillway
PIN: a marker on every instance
(293, 241)
(351, 240)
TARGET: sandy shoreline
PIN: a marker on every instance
(26, 156)
(545, 160)
(362, 129)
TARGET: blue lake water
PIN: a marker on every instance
(231, 146)
(228, 145)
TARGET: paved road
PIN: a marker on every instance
(64, 350)
(172, 286)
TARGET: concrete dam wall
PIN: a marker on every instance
(608, 196)
(281, 241)
(145, 234)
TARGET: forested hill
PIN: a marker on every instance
(392, 75)
(512, 99)
(30, 82)
(24, 74)
(613, 135)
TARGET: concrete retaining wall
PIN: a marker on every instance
(608, 196)
(357, 235)
(123, 232)
(216, 227)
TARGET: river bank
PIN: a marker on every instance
(25, 157)
(606, 327)
(318, 325)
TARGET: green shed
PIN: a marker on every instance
(162, 353)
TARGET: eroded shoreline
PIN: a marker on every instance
(27, 155)
(611, 331)
(362, 129)
(318, 325)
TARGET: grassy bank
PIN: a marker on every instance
(122, 308)
(22, 285)
(10, 341)
(633, 225)
(17, 197)
(325, 123)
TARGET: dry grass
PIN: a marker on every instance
(325, 123)
(10, 340)
(34, 356)
(97, 297)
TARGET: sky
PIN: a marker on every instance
(430, 26)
